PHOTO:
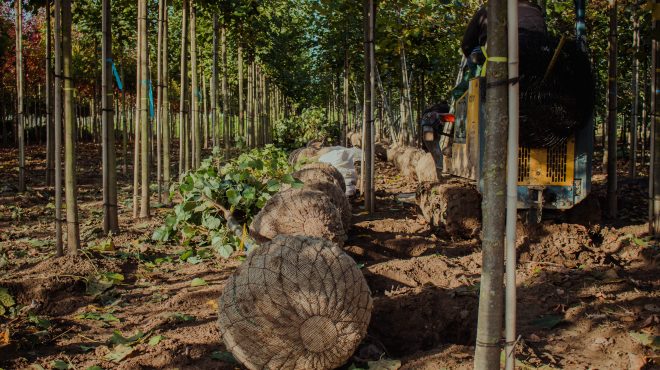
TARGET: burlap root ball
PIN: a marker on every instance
(300, 154)
(337, 197)
(319, 171)
(299, 212)
(295, 303)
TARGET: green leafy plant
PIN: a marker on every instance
(6, 301)
(311, 124)
(242, 185)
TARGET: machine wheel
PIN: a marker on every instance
(453, 205)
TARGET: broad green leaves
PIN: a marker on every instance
(243, 185)
(6, 301)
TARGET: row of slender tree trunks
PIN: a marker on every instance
(68, 120)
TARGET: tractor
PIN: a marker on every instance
(554, 157)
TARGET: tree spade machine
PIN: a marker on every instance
(556, 135)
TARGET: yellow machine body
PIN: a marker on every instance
(551, 171)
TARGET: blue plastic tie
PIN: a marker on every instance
(151, 101)
(114, 71)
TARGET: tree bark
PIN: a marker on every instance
(137, 115)
(50, 130)
(194, 103)
(214, 84)
(124, 126)
(491, 299)
(165, 125)
(367, 127)
(159, 104)
(73, 230)
(635, 96)
(58, 128)
(110, 219)
(145, 212)
(654, 166)
(183, 104)
(612, 116)
(241, 92)
(226, 133)
(19, 94)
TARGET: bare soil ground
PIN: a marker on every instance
(588, 296)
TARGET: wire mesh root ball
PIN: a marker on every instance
(299, 212)
(295, 303)
(319, 171)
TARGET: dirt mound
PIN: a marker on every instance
(435, 270)
(54, 286)
(419, 319)
(298, 212)
(569, 245)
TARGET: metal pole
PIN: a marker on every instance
(511, 186)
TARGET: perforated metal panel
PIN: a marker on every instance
(523, 163)
(547, 166)
(556, 169)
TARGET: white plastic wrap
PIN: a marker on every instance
(343, 159)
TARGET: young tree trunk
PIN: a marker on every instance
(226, 134)
(50, 130)
(241, 92)
(491, 298)
(159, 104)
(635, 98)
(250, 107)
(196, 129)
(110, 218)
(344, 126)
(214, 84)
(369, 86)
(139, 86)
(183, 132)
(612, 116)
(144, 112)
(124, 126)
(654, 145)
(19, 95)
(205, 120)
(165, 125)
(73, 231)
(58, 128)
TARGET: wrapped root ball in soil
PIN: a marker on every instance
(335, 194)
(299, 212)
(356, 139)
(554, 108)
(300, 154)
(454, 205)
(318, 171)
(337, 197)
(295, 303)
(425, 169)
